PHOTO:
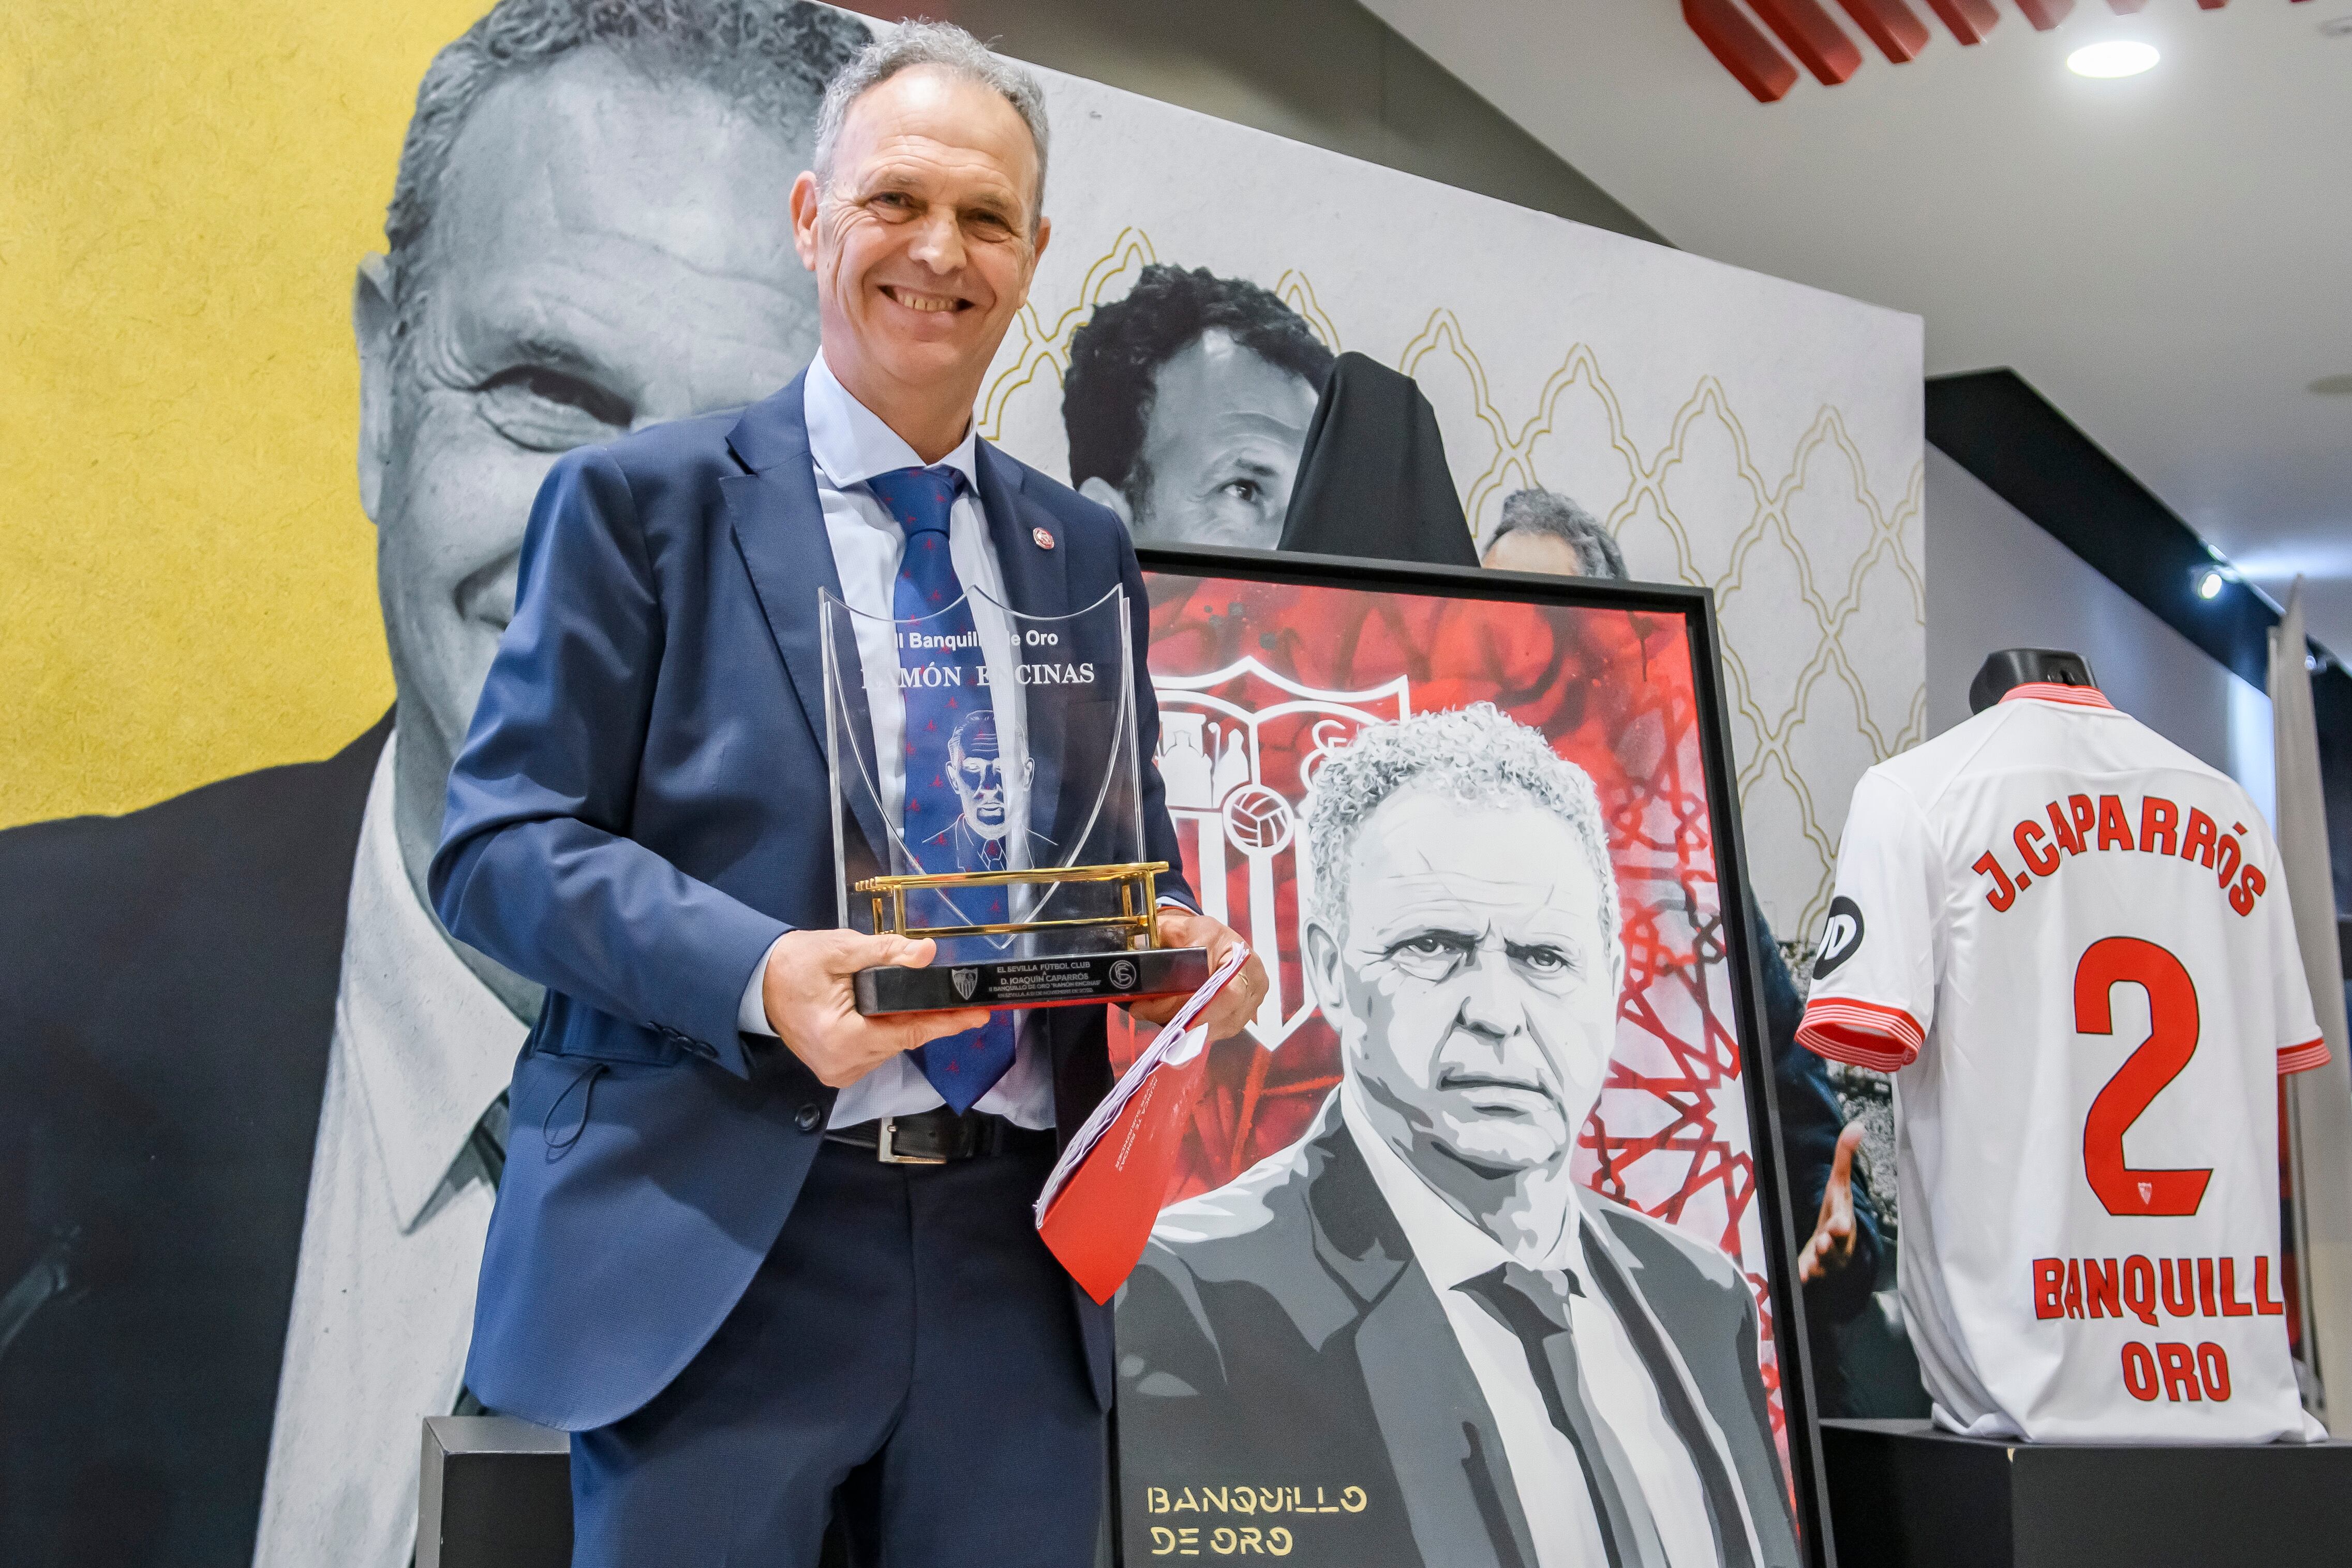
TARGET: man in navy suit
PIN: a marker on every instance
(710, 1259)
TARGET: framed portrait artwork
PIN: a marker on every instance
(1481, 1255)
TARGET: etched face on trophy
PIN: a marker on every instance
(976, 772)
(987, 793)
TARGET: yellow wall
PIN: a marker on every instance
(187, 585)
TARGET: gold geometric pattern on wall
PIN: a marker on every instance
(1809, 562)
(1292, 290)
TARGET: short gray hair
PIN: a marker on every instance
(771, 59)
(949, 49)
(1550, 513)
(1476, 755)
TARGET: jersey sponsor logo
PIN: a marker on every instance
(2079, 825)
(1840, 937)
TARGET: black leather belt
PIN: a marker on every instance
(935, 1137)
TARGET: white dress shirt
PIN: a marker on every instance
(1552, 1494)
(392, 1235)
(849, 444)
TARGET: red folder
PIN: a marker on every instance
(1099, 1206)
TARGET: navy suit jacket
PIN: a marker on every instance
(640, 809)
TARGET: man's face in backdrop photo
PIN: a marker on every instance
(1525, 549)
(608, 249)
(1221, 446)
(1471, 988)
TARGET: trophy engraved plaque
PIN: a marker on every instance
(988, 795)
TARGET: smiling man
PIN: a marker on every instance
(1507, 1367)
(251, 1091)
(1187, 405)
(767, 1258)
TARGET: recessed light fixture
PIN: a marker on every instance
(2209, 583)
(2116, 57)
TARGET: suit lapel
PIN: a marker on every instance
(1679, 1394)
(1037, 577)
(778, 526)
(1442, 1440)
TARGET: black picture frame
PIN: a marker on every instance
(1695, 608)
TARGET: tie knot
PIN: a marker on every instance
(1531, 1302)
(919, 498)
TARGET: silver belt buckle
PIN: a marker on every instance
(889, 1156)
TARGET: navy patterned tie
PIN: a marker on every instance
(957, 808)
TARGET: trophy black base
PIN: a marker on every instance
(1069, 979)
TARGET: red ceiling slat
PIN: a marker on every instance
(1742, 47)
(1969, 20)
(1894, 26)
(1806, 29)
(1813, 37)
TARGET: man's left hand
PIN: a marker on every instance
(1231, 1008)
(1831, 1246)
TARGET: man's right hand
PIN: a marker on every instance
(812, 1005)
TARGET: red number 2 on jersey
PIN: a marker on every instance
(2172, 1030)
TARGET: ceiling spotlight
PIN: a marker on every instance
(2209, 581)
(2116, 57)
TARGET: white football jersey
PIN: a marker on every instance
(2069, 940)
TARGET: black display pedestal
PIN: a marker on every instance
(1903, 1495)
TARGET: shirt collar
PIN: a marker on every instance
(850, 444)
(428, 1044)
(1449, 1249)
(2057, 692)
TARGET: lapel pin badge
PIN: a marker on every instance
(1044, 540)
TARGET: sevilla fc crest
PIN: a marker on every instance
(965, 981)
(1238, 748)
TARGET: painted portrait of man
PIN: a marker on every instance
(1187, 405)
(1477, 1358)
(251, 1094)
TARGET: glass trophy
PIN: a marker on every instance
(987, 794)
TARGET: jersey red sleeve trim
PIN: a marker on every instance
(1861, 1034)
(2301, 1058)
